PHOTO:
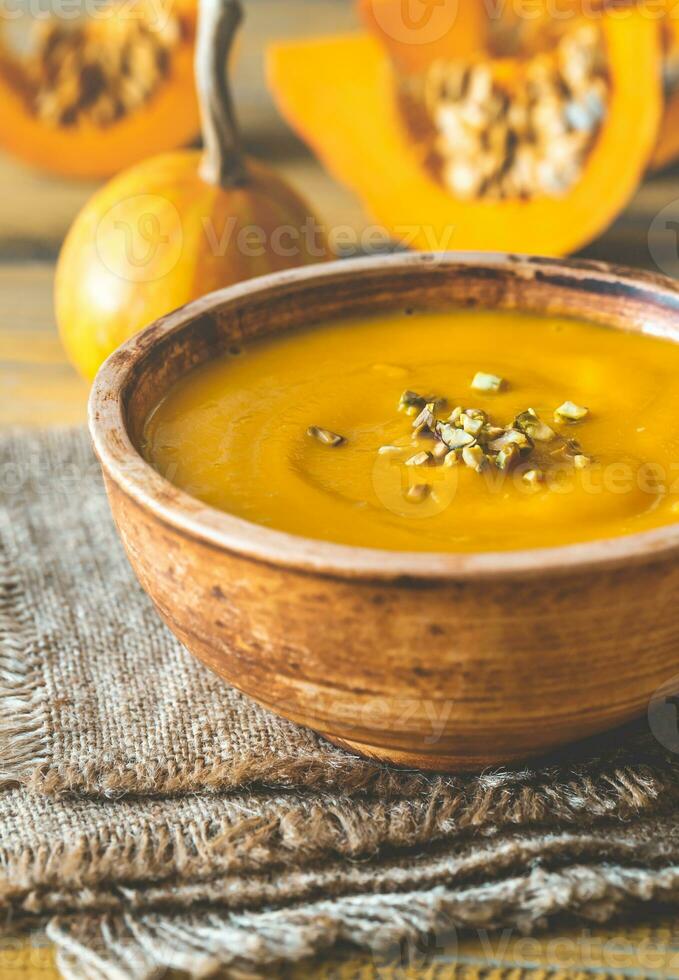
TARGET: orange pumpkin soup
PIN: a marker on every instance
(452, 432)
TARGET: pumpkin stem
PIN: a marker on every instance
(223, 162)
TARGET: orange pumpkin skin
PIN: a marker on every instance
(667, 150)
(158, 236)
(170, 119)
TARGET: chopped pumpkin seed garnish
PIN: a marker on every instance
(425, 420)
(531, 423)
(506, 458)
(418, 493)
(487, 382)
(533, 477)
(472, 425)
(454, 438)
(411, 403)
(419, 459)
(540, 432)
(474, 457)
(509, 437)
(570, 412)
(469, 435)
(325, 436)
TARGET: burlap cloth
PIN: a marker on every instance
(150, 816)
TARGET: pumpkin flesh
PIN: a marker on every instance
(339, 94)
(447, 29)
(167, 119)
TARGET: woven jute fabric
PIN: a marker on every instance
(150, 816)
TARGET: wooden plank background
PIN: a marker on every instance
(40, 388)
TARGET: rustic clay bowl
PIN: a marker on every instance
(439, 661)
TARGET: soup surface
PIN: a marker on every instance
(310, 432)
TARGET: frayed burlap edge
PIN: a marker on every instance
(141, 947)
(628, 764)
(23, 730)
(496, 799)
(249, 834)
(275, 882)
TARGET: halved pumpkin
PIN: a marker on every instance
(433, 29)
(450, 29)
(339, 93)
(75, 143)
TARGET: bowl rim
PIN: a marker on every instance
(125, 466)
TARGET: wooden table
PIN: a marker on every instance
(40, 388)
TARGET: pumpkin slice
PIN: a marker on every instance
(434, 29)
(340, 94)
(89, 97)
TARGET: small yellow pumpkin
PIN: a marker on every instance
(178, 225)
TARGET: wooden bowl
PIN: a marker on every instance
(440, 661)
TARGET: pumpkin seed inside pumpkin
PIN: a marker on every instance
(93, 72)
(523, 136)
